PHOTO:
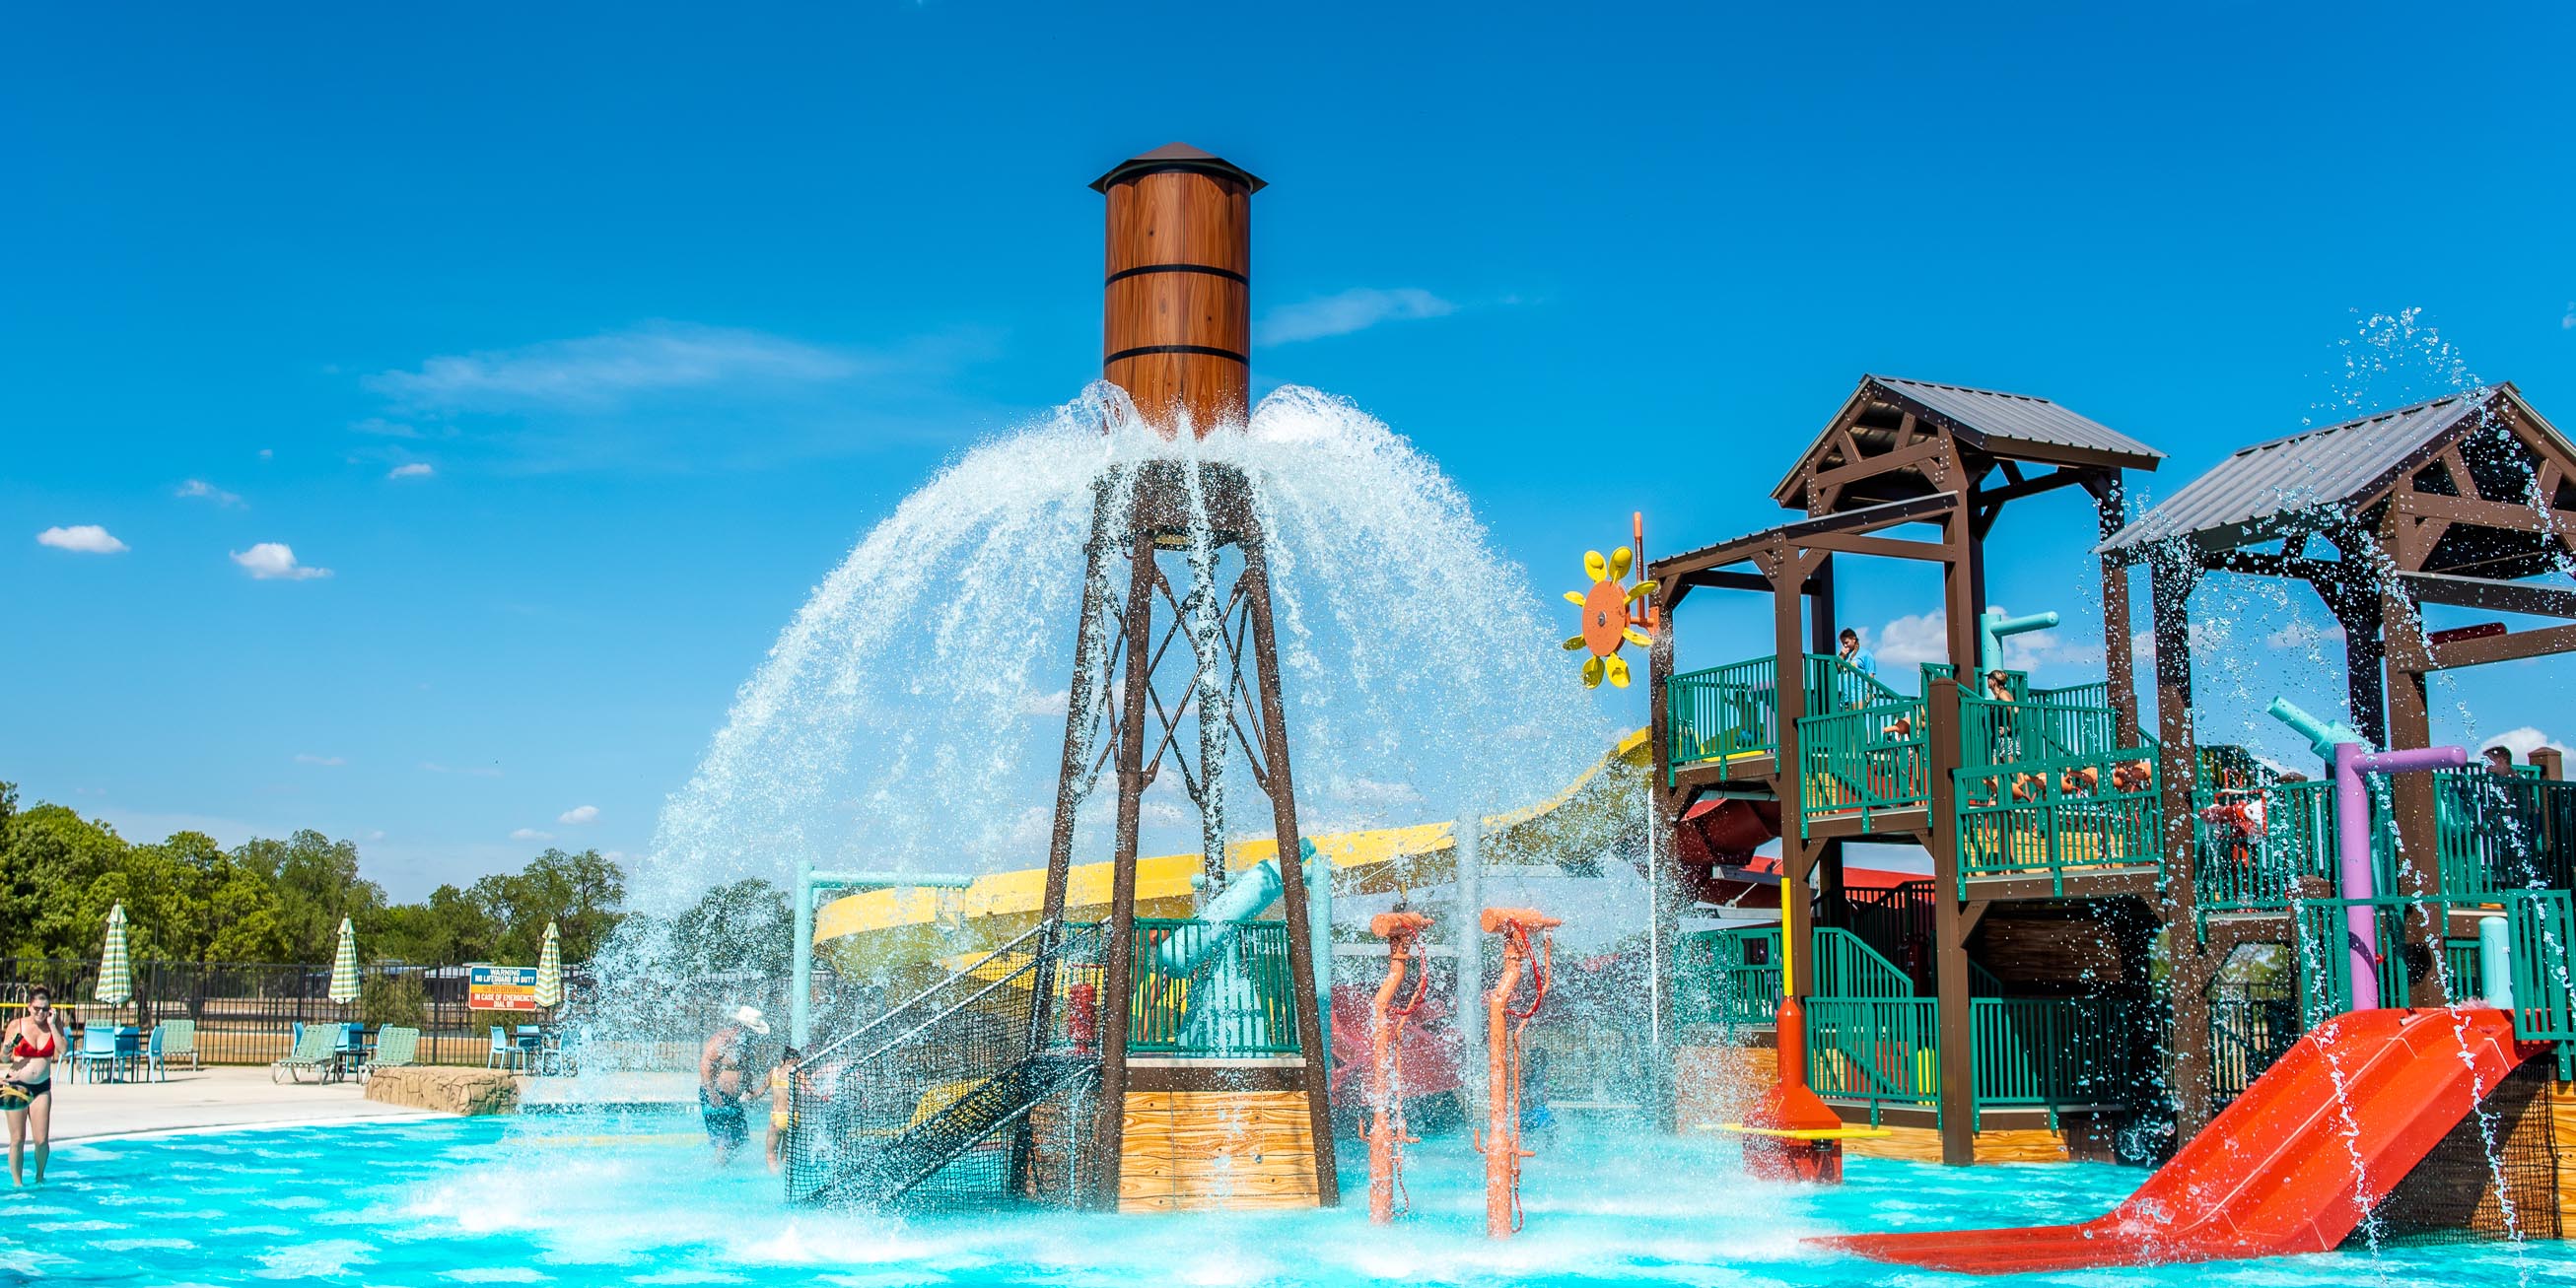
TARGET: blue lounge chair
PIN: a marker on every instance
(505, 1054)
(313, 1050)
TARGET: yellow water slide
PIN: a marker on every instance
(878, 929)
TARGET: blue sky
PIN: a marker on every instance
(578, 345)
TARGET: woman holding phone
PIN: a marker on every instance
(33, 1042)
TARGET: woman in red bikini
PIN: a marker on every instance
(33, 1040)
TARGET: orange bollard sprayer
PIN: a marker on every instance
(1387, 1135)
(1501, 1143)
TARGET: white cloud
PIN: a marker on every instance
(268, 453)
(2304, 636)
(2568, 323)
(85, 538)
(605, 370)
(531, 834)
(1356, 309)
(411, 470)
(203, 490)
(308, 758)
(1913, 639)
(274, 561)
(2522, 740)
(579, 814)
(1160, 814)
(383, 428)
(1045, 704)
(470, 771)
(376, 835)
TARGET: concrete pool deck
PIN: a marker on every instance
(222, 1096)
(227, 1096)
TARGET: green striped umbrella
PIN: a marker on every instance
(115, 971)
(344, 965)
(550, 968)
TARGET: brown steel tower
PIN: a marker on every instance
(1176, 669)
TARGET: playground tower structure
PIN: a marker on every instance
(1177, 545)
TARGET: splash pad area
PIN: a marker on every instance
(1089, 763)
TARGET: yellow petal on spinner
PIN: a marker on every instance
(1575, 597)
(1618, 668)
(1635, 636)
(1641, 590)
(1573, 642)
(1594, 564)
(1592, 672)
(1621, 560)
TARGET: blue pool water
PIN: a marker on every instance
(488, 1201)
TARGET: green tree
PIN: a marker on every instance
(745, 926)
(52, 862)
(317, 883)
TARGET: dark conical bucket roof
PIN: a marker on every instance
(1177, 156)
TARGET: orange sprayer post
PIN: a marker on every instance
(1387, 1135)
(1502, 1140)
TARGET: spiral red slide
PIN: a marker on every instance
(2291, 1166)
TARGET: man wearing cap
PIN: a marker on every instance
(720, 1065)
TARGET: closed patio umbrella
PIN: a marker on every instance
(344, 965)
(550, 968)
(115, 971)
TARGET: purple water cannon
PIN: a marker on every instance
(2343, 750)
(2352, 847)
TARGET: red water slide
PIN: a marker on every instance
(2291, 1166)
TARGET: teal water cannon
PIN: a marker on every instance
(2322, 735)
(1994, 627)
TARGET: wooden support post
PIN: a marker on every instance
(1954, 1019)
(1820, 610)
(2119, 658)
(1118, 937)
(2171, 576)
(2411, 802)
(1963, 590)
(1292, 897)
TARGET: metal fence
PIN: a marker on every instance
(247, 1013)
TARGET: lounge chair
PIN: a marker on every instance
(396, 1048)
(97, 1052)
(177, 1038)
(315, 1049)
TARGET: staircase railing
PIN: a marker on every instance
(1865, 761)
(886, 1107)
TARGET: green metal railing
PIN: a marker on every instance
(2496, 833)
(1212, 989)
(1727, 977)
(2095, 693)
(1724, 711)
(1866, 761)
(1732, 977)
(1881, 1051)
(1734, 710)
(2053, 1052)
(2241, 869)
(2250, 1027)
(2541, 948)
(2033, 728)
(2023, 819)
